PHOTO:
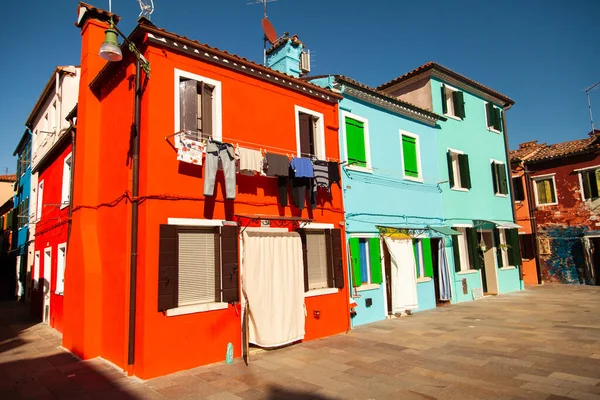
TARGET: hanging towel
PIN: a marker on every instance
(250, 161)
(303, 168)
(189, 151)
(277, 165)
(321, 169)
(334, 173)
(404, 274)
(444, 272)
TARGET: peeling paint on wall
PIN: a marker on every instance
(566, 261)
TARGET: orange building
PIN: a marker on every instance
(188, 257)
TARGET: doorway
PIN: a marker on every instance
(46, 284)
(489, 274)
(596, 259)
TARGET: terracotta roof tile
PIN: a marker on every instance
(98, 13)
(8, 178)
(544, 152)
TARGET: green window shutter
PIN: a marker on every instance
(541, 192)
(409, 153)
(498, 250)
(459, 104)
(465, 174)
(491, 115)
(355, 254)
(415, 244)
(498, 119)
(456, 252)
(427, 257)
(501, 174)
(375, 260)
(355, 142)
(473, 245)
(450, 170)
(595, 183)
(495, 178)
(444, 104)
(514, 252)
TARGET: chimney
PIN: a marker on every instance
(287, 56)
(528, 145)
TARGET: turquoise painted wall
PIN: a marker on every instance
(508, 280)
(426, 295)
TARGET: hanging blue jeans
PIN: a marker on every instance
(214, 152)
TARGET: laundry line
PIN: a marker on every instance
(255, 146)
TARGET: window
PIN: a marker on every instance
(36, 271)
(526, 245)
(423, 258)
(499, 178)
(60, 268)
(322, 256)
(466, 250)
(493, 118)
(310, 136)
(53, 117)
(453, 103)
(197, 265)
(40, 200)
(519, 190)
(458, 170)
(590, 181)
(411, 156)
(365, 255)
(66, 180)
(545, 190)
(356, 133)
(197, 106)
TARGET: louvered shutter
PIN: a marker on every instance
(498, 120)
(427, 257)
(450, 169)
(355, 260)
(514, 252)
(495, 178)
(444, 100)
(355, 142)
(302, 233)
(317, 259)
(502, 181)
(188, 106)
(459, 104)
(207, 109)
(489, 110)
(409, 153)
(465, 174)
(473, 245)
(334, 239)
(456, 253)
(168, 268)
(375, 260)
(199, 275)
(497, 243)
(587, 190)
(305, 135)
(229, 264)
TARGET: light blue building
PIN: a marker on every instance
(390, 179)
(21, 204)
(476, 193)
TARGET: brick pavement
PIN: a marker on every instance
(543, 343)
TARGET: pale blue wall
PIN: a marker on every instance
(426, 295)
(364, 314)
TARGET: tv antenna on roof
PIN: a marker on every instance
(147, 7)
(268, 29)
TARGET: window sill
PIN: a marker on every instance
(459, 189)
(453, 117)
(367, 170)
(467, 272)
(320, 292)
(59, 293)
(507, 268)
(370, 286)
(493, 130)
(413, 179)
(64, 205)
(423, 279)
(196, 308)
(547, 204)
(500, 195)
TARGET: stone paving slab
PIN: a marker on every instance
(543, 343)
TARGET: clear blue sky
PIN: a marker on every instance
(541, 53)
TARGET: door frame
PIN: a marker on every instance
(492, 267)
(47, 277)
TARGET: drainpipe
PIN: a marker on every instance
(531, 206)
(134, 213)
(72, 185)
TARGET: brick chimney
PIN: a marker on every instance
(285, 56)
(528, 145)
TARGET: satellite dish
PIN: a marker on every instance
(269, 30)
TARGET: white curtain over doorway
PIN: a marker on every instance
(404, 274)
(273, 282)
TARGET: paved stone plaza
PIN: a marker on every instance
(543, 343)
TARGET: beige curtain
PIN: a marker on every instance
(273, 281)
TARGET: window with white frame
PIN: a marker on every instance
(493, 118)
(545, 190)
(453, 103)
(66, 180)
(459, 173)
(589, 181)
(423, 257)
(40, 200)
(499, 178)
(53, 117)
(319, 276)
(461, 245)
(503, 247)
(411, 156)
(61, 262)
(356, 140)
(366, 261)
(198, 106)
(310, 133)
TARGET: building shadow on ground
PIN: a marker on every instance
(280, 393)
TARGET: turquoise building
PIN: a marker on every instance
(476, 190)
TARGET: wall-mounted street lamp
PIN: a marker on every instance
(111, 51)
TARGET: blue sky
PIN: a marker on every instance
(541, 53)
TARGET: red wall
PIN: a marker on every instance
(51, 230)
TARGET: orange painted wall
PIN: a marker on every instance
(523, 219)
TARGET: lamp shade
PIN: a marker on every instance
(110, 49)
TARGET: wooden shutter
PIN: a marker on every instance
(518, 188)
(355, 142)
(188, 106)
(473, 245)
(168, 268)
(207, 109)
(375, 260)
(229, 264)
(491, 115)
(495, 178)
(355, 260)
(305, 135)
(456, 251)
(587, 190)
(502, 182)
(334, 257)
(498, 120)
(526, 245)
(427, 257)
(465, 174)
(444, 101)
(302, 233)
(514, 252)
(450, 169)
(459, 104)
(497, 243)
(409, 153)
